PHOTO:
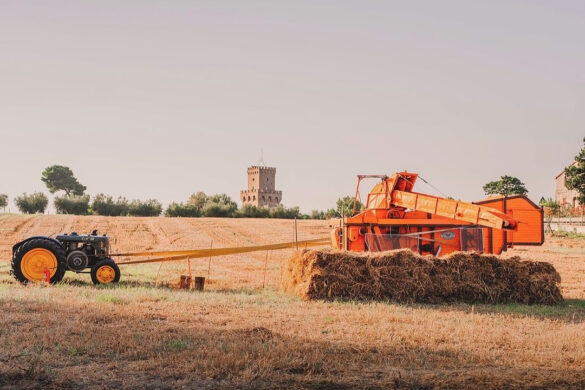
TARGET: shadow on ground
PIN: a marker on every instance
(106, 345)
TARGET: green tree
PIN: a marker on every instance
(3, 201)
(345, 206)
(281, 212)
(575, 175)
(285, 213)
(249, 211)
(199, 199)
(220, 205)
(32, 204)
(188, 210)
(149, 208)
(331, 213)
(507, 185)
(60, 178)
(316, 214)
(106, 205)
(73, 204)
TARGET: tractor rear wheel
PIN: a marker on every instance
(34, 257)
(105, 272)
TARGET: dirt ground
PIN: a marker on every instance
(237, 334)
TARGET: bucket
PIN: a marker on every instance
(185, 282)
(199, 282)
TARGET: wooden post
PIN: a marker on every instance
(265, 266)
(209, 264)
(158, 273)
(296, 235)
(190, 273)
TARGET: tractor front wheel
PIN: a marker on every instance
(105, 272)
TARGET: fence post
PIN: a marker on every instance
(296, 235)
(265, 266)
(209, 265)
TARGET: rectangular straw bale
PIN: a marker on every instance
(403, 276)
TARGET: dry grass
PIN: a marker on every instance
(237, 335)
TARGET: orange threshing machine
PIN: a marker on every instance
(396, 217)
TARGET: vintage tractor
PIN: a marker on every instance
(43, 258)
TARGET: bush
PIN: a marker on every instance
(316, 214)
(199, 204)
(183, 210)
(105, 205)
(213, 209)
(249, 211)
(32, 204)
(285, 213)
(331, 213)
(74, 204)
(220, 205)
(149, 208)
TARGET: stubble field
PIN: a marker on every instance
(238, 334)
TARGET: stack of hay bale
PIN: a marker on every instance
(403, 276)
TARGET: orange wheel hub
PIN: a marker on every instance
(105, 274)
(36, 261)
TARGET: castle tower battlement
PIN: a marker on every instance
(261, 187)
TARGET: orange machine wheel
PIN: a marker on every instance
(105, 272)
(36, 261)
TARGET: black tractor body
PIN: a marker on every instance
(41, 258)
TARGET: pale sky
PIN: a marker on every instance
(159, 99)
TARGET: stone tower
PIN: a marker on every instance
(261, 188)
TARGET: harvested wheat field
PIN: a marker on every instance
(132, 234)
(403, 276)
(237, 334)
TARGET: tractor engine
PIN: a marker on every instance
(83, 251)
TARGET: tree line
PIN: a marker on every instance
(73, 200)
(198, 205)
